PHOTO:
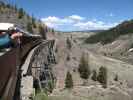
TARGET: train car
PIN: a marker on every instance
(11, 61)
(15, 32)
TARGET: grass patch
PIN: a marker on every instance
(41, 96)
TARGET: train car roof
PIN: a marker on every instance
(6, 26)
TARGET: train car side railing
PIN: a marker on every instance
(8, 73)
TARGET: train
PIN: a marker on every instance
(11, 61)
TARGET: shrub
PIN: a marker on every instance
(116, 78)
(40, 96)
(94, 75)
(68, 80)
(50, 86)
(52, 30)
(68, 57)
(84, 69)
(102, 76)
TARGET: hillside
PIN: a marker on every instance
(112, 34)
(12, 14)
(114, 55)
(69, 60)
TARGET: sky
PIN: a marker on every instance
(77, 15)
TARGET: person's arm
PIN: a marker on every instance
(15, 37)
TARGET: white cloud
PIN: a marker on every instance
(53, 21)
(76, 22)
(49, 24)
(76, 17)
(94, 25)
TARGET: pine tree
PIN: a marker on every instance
(50, 86)
(52, 30)
(102, 76)
(94, 75)
(29, 27)
(20, 13)
(116, 78)
(68, 57)
(84, 69)
(69, 44)
(42, 31)
(68, 80)
(33, 22)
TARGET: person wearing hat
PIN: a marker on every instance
(5, 40)
(8, 40)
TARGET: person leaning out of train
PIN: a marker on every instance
(5, 40)
(8, 40)
(16, 38)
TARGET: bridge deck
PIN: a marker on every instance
(27, 61)
(27, 81)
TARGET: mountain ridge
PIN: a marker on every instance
(110, 35)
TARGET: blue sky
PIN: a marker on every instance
(68, 15)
